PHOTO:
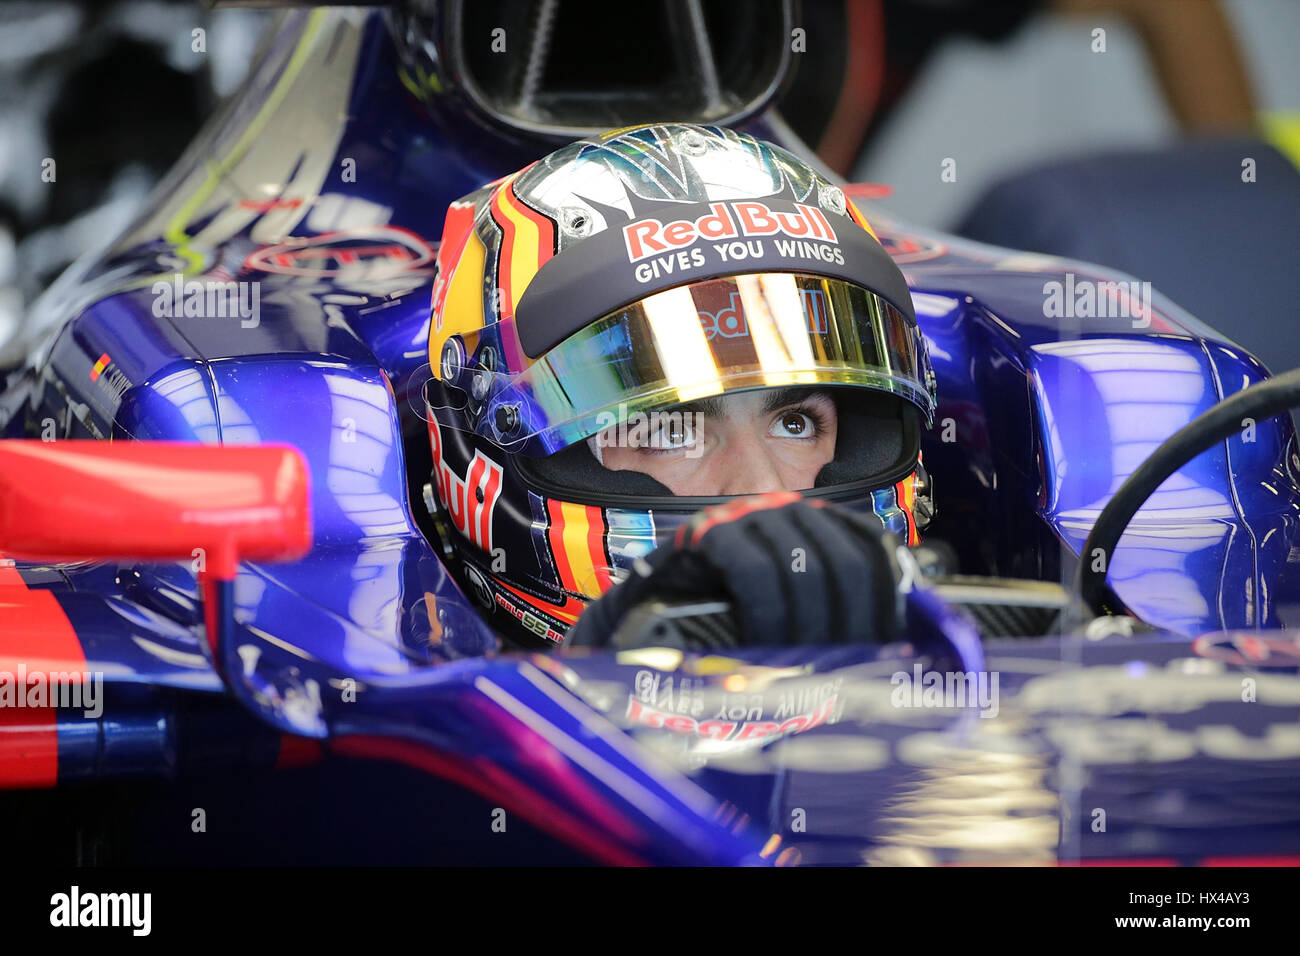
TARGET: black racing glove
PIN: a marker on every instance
(793, 570)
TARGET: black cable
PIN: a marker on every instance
(1261, 401)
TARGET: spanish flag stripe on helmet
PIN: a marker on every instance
(577, 538)
(528, 240)
(856, 215)
(596, 537)
(555, 534)
(906, 491)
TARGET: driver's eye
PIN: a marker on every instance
(673, 434)
(792, 424)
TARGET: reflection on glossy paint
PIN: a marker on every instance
(237, 427)
(375, 598)
(933, 306)
(249, 589)
(1145, 392)
(1132, 394)
(361, 444)
(367, 575)
(982, 800)
(187, 392)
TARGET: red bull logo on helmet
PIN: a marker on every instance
(470, 501)
(726, 220)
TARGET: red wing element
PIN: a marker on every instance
(35, 638)
(153, 501)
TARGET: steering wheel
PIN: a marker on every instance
(1258, 402)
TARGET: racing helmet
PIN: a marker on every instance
(616, 279)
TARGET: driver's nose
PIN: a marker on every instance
(748, 469)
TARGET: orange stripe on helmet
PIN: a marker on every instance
(555, 535)
(567, 612)
(596, 531)
(528, 240)
(856, 214)
(577, 538)
(906, 491)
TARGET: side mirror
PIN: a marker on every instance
(156, 501)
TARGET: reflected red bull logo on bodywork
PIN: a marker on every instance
(370, 250)
(906, 250)
(1249, 648)
(643, 714)
(725, 220)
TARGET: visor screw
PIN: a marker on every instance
(479, 388)
(507, 419)
(575, 222)
(453, 358)
(692, 143)
(831, 198)
(488, 358)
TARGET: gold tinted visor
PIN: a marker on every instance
(705, 339)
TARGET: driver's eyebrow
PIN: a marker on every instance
(774, 399)
(708, 407)
(791, 395)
